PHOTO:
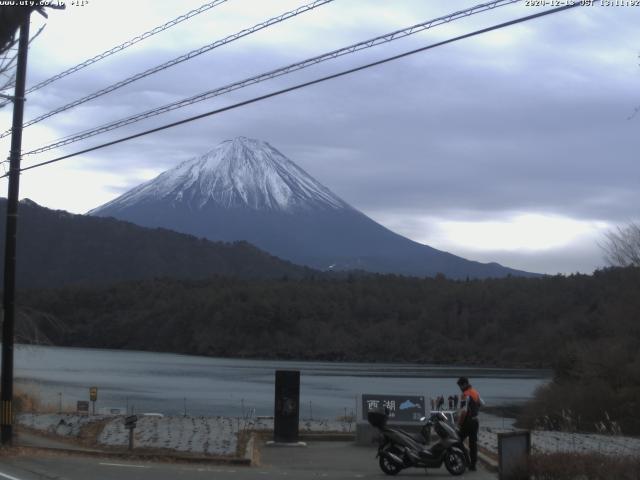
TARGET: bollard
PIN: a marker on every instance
(130, 424)
(514, 449)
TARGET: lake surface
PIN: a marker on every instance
(167, 383)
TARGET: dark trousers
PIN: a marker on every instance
(469, 428)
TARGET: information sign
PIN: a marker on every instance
(401, 408)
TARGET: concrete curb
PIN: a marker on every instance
(488, 462)
(266, 435)
(250, 450)
(144, 456)
(249, 458)
(328, 437)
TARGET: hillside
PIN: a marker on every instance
(58, 248)
(501, 322)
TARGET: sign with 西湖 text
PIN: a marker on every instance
(400, 408)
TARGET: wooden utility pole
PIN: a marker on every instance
(9, 290)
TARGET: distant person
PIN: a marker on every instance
(450, 399)
(440, 402)
(455, 401)
(470, 403)
(433, 403)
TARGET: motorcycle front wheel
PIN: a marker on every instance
(388, 467)
(455, 462)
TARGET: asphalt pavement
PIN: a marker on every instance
(321, 459)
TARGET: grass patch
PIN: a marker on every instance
(576, 466)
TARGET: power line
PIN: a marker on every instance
(388, 37)
(305, 84)
(127, 44)
(176, 61)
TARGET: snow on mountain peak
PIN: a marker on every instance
(242, 172)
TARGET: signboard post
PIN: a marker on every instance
(130, 424)
(93, 396)
(403, 410)
(83, 407)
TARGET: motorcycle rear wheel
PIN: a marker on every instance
(388, 467)
(455, 462)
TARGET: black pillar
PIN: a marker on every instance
(8, 301)
(287, 406)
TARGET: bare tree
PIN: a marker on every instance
(34, 327)
(622, 246)
(11, 17)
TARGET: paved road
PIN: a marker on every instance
(320, 460)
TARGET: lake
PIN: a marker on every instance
(170, 383)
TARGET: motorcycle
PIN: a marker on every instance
(399, 449)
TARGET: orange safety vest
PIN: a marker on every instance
(471, 402)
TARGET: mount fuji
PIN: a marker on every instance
(245, 189)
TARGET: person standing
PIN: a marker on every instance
(470, 403)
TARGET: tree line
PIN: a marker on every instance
(585, 327)
(520, 322)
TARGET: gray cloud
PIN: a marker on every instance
(474, 130)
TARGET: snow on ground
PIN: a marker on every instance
(203, 435)
(198, 435)
(65, 425)
(551, 442)
(219, 435)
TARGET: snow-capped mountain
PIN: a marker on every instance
(244, 189)
(237, 173)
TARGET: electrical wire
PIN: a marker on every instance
(127, 44)
(388, 37)
(306, 84)
(176, 61)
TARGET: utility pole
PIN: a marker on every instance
(9, 289)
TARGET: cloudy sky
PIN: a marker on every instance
(517, 146)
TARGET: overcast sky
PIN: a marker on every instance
(516, 146)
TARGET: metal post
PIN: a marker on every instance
(6, 381)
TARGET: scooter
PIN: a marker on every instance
(399, 449)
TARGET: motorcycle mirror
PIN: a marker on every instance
(422, 419)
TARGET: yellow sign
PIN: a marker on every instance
(93, 394)
(7, 417)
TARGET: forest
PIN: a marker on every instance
(585, 327)
(518, 322)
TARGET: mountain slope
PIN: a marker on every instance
(57, 248)
(245, 189)
(236, 174)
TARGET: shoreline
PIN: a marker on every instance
(535, 371)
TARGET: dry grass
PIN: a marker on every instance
(27, 399)
(575, 466)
